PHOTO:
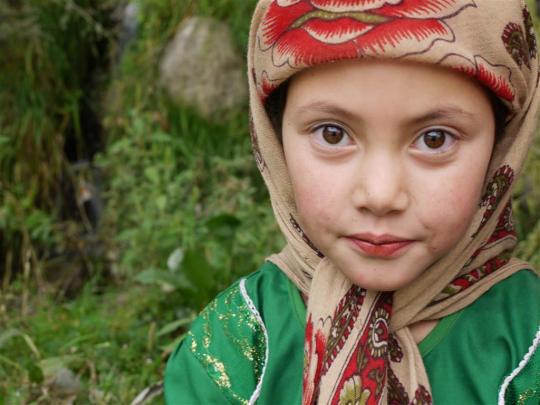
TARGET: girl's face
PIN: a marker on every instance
(387, 161)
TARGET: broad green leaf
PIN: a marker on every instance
(223, 225)
(198, 270)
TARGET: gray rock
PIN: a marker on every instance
(64, 382)
(201, 69)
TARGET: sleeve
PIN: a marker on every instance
(525, 386)
(187, 382)
(222, 356)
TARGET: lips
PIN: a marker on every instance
(381, 246)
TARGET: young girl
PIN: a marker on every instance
(390, 134)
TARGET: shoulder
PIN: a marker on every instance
(227, 343)
(516, 301)
(506, 320)
(510, 310)
(484, 348)
(521, 293)
(248, 300)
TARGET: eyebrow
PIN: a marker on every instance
(323, 107)
(441, 113)
(437, 113)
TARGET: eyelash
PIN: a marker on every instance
(448, 137)
(319, 136)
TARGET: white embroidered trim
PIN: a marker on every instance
(257, 316)
(520, 367)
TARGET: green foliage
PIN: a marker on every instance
(527, 208)
(177, 182)
(115, 353)
(527, 201)
(49, 51)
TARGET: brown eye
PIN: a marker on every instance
(332, 135)
(434, 139)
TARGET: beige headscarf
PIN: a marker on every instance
(358, 342)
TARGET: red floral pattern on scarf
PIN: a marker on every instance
(343, 322)
(530, 33)
(505, 229)
(516, 44)
(369, 366)
(494, 77)
(370, 359)
(520, 41)
(496, 189)
(467, 280)
(314, 349)
(309, 32)
(505, 226)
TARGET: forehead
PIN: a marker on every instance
(400, 86)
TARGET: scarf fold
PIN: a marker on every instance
(358, 345)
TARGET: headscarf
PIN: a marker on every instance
(358, 345)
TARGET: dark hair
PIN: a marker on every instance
(500, 111)
(275, 107)
(277, 100)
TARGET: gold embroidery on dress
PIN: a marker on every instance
(222, 379)
(532, 393)
(241, 329)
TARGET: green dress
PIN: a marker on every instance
(248, 344)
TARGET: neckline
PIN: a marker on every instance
(299, 307)
(425, 346)
(439, 332)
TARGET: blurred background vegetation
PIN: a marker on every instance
(122, 214)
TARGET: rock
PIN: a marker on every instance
(64, 383)
(201, 69)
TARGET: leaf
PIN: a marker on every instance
(161, 202)
(163, 278)
(119, 146)
(169, 347)
(175, 325)
(223, 225)
(198, 270)
(52, 364)
(7, 335)
(12, 333)
(152, 174)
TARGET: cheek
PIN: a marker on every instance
(318, 192)
(452, 203)
(311, 194)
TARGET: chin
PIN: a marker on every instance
(380, 278)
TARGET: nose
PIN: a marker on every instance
(381, 185)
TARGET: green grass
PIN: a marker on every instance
(51, 51)
(110, 339)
